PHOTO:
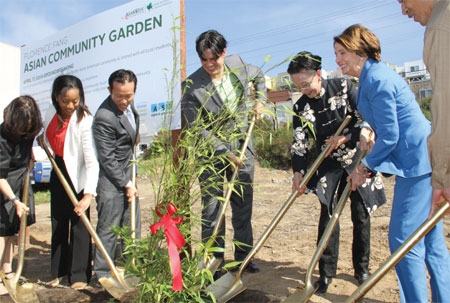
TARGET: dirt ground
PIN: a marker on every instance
(283, 259)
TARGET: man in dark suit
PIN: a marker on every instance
(115, 129)
(223, 86)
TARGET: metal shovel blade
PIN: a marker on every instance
(303, 294)
(24, 293)
(227, 287)
(113, 287)
(212, 264)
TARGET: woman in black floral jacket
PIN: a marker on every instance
(323, 106)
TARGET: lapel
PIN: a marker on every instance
(236, 66)
(208, 90)
(362, 78)
(123, 120)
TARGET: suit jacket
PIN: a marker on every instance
(388, 105)
(80, 156)
(114, 139)
(200, 97)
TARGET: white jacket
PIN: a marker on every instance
(80, 156)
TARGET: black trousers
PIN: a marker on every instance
(361, 235)
(241, 203)
(70, 255)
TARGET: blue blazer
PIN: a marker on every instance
(388, 105)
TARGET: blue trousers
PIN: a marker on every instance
(410, 209)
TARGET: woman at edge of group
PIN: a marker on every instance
(325, 104)
(22, 122)
(68, 131)
(388, 105)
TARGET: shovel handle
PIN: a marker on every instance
(230, 187)
(133, 199)
(22, 231)
(396, 257)
(133, 203)
(84, 218)
(289, 202)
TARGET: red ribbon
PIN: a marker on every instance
(175, 241)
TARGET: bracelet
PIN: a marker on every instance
(14, 199)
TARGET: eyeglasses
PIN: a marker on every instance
(307, 85)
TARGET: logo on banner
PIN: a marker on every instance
(133, 13)
(157, 109)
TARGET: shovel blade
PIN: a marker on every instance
(21, 293)
(226, 288)
(212, 264)
(113, 287)
(302, 295)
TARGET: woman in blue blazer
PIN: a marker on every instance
(389, 107)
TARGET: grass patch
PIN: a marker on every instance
(41, 194)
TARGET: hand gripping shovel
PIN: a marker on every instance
(306, 293)
(116, 285)
(212, 263)
(21, 293)
(229, 286)
(412, 240)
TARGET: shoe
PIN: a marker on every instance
(78, 285)
(322, 284)
(361, 278)
(95, 283)
(252, 268)
(56, 281)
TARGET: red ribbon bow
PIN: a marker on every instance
(175, 241)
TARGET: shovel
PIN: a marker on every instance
(229, 286)
(21, 293)
(310, 288)
(412, 240)
(116, 285)
(212, 263)
(133, 203)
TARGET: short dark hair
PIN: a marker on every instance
(122, 76)
(210, 40)
(22, 119)
(304, 61)
(61, 85)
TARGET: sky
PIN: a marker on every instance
(254, 29)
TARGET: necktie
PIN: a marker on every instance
(130, 117)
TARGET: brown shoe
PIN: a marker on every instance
(56, 281)
(78, 285)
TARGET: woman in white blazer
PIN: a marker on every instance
(68, 131)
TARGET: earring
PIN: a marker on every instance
(361, 58)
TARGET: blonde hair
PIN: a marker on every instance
(361, 41)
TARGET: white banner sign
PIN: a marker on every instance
(135, 36)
